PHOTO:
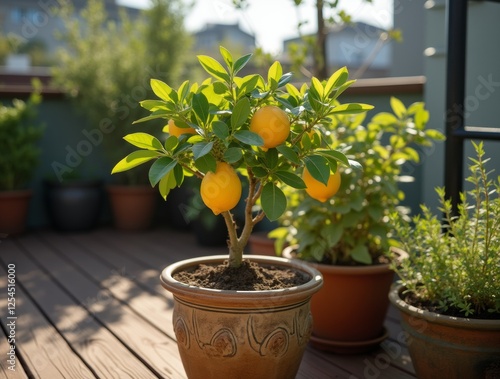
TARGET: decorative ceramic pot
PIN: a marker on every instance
(350, 309)
(14, 211)
(449, 347)
(241, 334)
(133, 206)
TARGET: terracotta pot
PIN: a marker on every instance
(14, 211)
(449, 347)
(260, 244)
(133, 206)
(241, 334)
(350, 309)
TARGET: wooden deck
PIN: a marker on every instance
(90, 305)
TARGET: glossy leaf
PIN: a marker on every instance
(213, 67)
(202, 148)
(248, 137)
(241, 111)
(291, 179)
(398, 107)
(273, 201)
(163, 90)
(160, 168)
(134, 159)
(336, 155)
(240, 63)
(226, 55)
(144, 141)
(318, 168)
(233, 155)
(351, 108)
(166, 184)
(288, 153)
(220, 129)
(206, 163)
(201, 107)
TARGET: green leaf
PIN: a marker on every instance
(384, 118)
(260, 172)
(160, 168)
(271, 158)
(337, 79)
(144, 141)
(274, 74)
(318, 168)
(360, 254)
(226, 55)
(318, 88)
(166, 184)
(248, 137)
(171, 143)
(233, 155)
(337, 155)
(183, 90)
(163, 90)
(220, 129)
(285, 79)
(333, 234)
(247, 84)
(213, 67)
(351, 108)
(201, 107)
(290, 179)
(241, 111)
(398, 107)
(153, 105)
(156, 115)
(288, 153)
(273, 201)
(134, 159)
(206, 163)
(240, 63)
(434, 134)
(202, 148)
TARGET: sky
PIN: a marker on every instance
(272, 21)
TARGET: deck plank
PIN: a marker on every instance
(98, 295)
(153, 347)
(42, 349)
(119, 279)
(99, 348)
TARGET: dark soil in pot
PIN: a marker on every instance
(250, 276)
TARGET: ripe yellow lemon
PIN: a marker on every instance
(318, 190)
(174, 130)
(272, 124)
(221, 190)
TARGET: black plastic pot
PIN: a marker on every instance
(74, 205)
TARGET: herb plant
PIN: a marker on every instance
(454, 263)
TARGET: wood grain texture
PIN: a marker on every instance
(95, 308)
(91, 340)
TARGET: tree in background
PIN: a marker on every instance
(315, 46)
(106, 65)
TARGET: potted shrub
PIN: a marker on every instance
(448, 294)
(228, 321)
(106, 87)
(19, 156)
(347, 237)
(73, 203)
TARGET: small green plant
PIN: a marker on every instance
(352, 228)
(19, 134)
(245, 126)
(454, 264)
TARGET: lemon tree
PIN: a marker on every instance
(254, 127)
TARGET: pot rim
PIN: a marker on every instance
(346, 270)
(180, 289)
(452, 321)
